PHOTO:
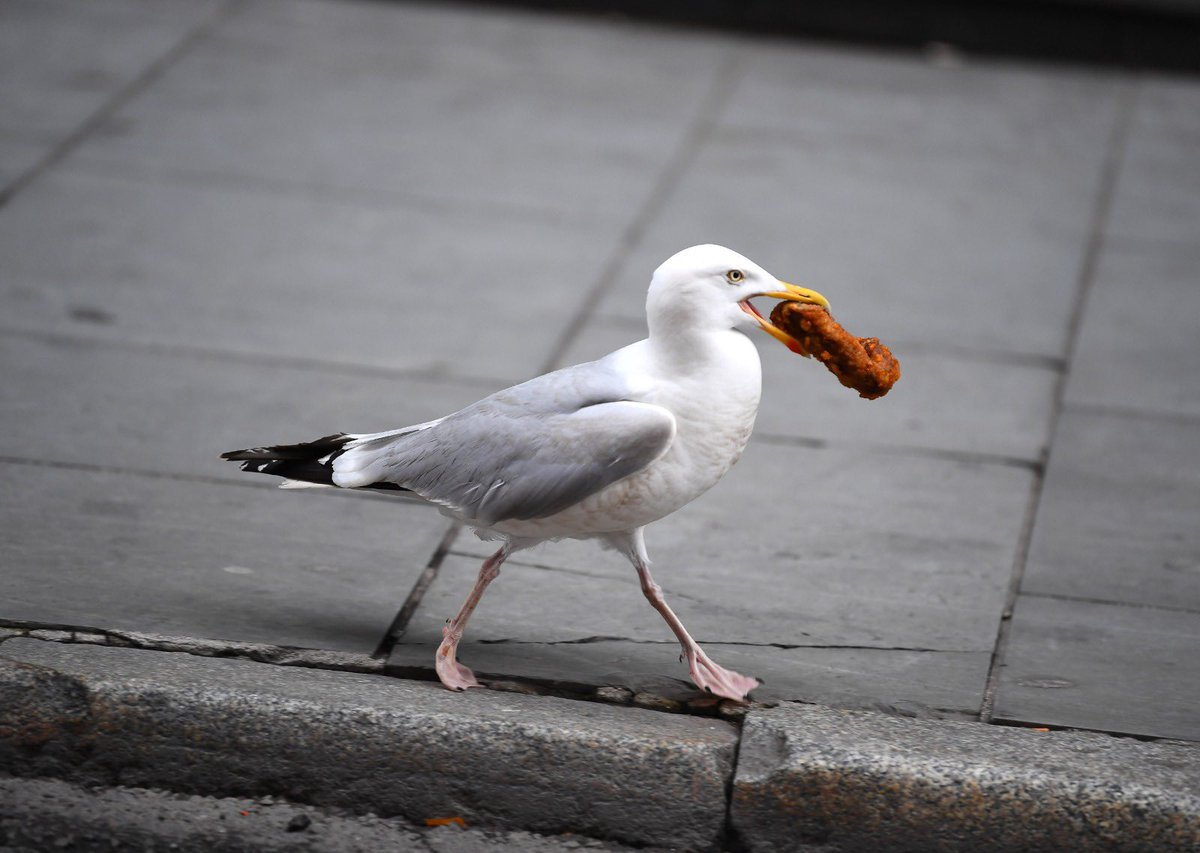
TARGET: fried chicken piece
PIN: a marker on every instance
(863, 364)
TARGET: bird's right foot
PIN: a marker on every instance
(450, 672)
(716, 679)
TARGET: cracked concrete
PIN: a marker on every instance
(263, 653)
(710, 642)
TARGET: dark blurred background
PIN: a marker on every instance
(1150, 33)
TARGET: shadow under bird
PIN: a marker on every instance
(595, 451)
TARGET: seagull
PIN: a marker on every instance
(595, 451)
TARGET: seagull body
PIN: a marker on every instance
(595, 451)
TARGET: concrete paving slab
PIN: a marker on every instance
(366, 743)
(1112, 667)
(1158, 193)
(277, 274)
(1117, 519)
(905, 247)
(42, 814)
(17, 157)
(953, 402)
(845, 781)
(1137, 345)
(1032, 117)
(177, 557)
(66, 399)
(485, 108)
(61, 61)
(890, 560)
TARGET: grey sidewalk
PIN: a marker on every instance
(227, 223)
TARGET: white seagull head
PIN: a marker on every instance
(709, 288)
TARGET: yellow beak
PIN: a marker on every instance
(789, 293)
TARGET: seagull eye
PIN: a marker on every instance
(735, 276)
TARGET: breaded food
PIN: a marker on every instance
(863, 364)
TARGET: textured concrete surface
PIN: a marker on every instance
(60, 62)
(324, 278)
(1159, 199)
(70, 401)
(847, 781)
(1119, 510)
(121, 716)
(205, 559)
(412, 93)
(1062, 654)
(271, 219)
(47, 814)
(1137, 344)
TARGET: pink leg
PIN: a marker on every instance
(707, 675)
(452, 673)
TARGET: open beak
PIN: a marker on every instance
(788, 293)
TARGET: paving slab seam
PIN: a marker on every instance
(183, 476)
(415, 595)
(336, 661)
(709, 641)
(724, 81)
(1054, 727)
(341, 368)
(1187, 418)
(149, 473)
(1034, 465)
(628, 579)
(1000, 358)
(296, 656)
(1146, 242)
(545, 567)
(377, 198)
(1110, 168)
(147, 77)
(1132, 605)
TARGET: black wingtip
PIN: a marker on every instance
(309, 461)
(304, 451)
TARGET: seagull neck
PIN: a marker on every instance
(686, 349)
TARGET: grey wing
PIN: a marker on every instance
(528, 452)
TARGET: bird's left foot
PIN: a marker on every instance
(716, 679)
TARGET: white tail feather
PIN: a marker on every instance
(300, 484)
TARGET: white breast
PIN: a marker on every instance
(714, 399)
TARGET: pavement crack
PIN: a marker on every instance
(700, 128)
(1126, 98)
(544, 567)
(416, 595)
(149, 75)
(200, 647)
(580, 641)
(946, 454)
(605, 638)
(198, 352)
